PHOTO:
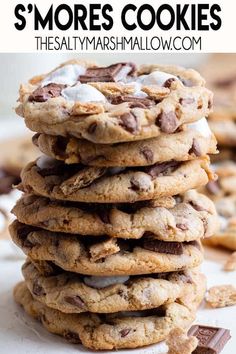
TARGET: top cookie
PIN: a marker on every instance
(113, 104)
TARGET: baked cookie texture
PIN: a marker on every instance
(109, 219)
(100, 107)
(55, 180)
(179, 218)
(109, 331)
(107, 257)
(180, 146)
(74, 293)
(222, 192)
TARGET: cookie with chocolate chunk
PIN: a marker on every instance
(53, 179)
(74, 293)
(113, 104)
(222, 192)
(197, 140)
(105, 256)
(109, 331)
(221, 79)
(182, 218)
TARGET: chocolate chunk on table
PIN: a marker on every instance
(211, 340)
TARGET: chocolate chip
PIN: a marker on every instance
(104, 214)
(175, 248)
(195, 149)
(213, 187)
(186, 101)
(112, 73)
(135, 184)
(75, 301)
(197, 206)
(7, 181)
(182, 227)
(148, 154)
(38, 289)
(59, 146)
(35, 139)
(168, 82)
(72, 337)
(129, 122)
(23, 233)
(210, 104)
(167, 122)
(92, 128)
(42, 94)
(134, 102)
(124, 332)
(162, 168)
(225, 82)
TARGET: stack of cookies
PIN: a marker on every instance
(109, 219)
(220, 72)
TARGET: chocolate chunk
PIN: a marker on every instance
(42, 94)
(167, 122)
(104, 214)
(211, 340)
(112, 73)
(72, 337)
(210, 104)
(134, 102)
(75, 301)
(169, 82)
(148, 154)
(195, 149)
(197, 206)
(213, 187)
(38, 289)
(129, 122)
(225, 82)
(54, 168)
(124, 332)
(162, 169)
(7, 180)
(182, 227)
(186, 101)
(35, 139)
(92, 128)
(175, 248)
(59, 146)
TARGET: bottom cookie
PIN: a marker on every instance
(107, 332)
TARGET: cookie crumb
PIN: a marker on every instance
(221, 296)
(179, 342)
(230, 264)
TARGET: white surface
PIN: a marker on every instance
(19, 334)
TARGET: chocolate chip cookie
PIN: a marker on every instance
(51, 178)
(109, 331)
(195, 141)
(74, 293)
(222, 192)
(113, 104)
(105, 256)
(181, 218)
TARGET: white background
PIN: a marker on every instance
(12, 40)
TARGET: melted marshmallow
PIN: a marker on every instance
(83, 93)
(103, 282)
(202, 127)
(155, 78)
(44, 162)
(66, 75)
(137, 87)
(223, 223)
